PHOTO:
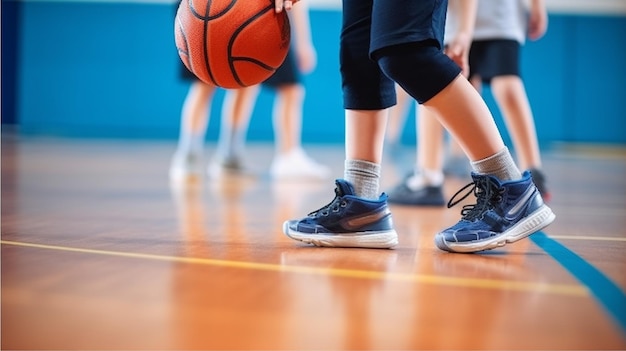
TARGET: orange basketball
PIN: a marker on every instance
(231, 43)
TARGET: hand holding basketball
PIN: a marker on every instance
(284, 4)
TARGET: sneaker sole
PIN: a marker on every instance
(538, 220)
(370, 240)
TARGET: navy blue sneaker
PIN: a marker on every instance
(505, 212)
(347, 221)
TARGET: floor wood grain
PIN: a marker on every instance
(100, 251)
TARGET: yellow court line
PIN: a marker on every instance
(560, 289)
(586, 237)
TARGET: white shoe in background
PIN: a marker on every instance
(297, 165)
(223, 167)
(186, 166)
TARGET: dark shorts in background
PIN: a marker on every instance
(493, 58)
(287, 73)
(185, 74)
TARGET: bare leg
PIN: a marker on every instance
(365, 135)
(424, 186)
(465, 115)
(397, 116)
(187, 162)
(510, 95)
(290, 160)
(430, 146)
(195, 116)
(287, 117)
(236, 111)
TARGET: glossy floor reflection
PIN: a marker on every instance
(101, 251)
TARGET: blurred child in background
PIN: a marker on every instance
(500, 30)
(290, 161)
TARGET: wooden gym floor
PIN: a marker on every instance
(100, 252)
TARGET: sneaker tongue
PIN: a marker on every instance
(477, 176)
(343, 187)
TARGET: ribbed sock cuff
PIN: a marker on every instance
(364, 177)
(500, 165)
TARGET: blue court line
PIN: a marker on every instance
(610, 296)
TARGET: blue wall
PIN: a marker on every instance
(111, 70)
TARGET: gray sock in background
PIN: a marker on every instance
(191, 143)
(231, 142)
(364, 177)
(500, 165)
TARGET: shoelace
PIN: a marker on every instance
(333, 205)
(486, 192)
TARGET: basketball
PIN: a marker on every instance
(231, 43)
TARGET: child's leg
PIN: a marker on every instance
(365, 136)
(497, 62)
(434, 80)
(237, 109)
(424, 185)
(430, 146)
(287, 117)
(510, 95)
(466, 116)
(358, 216)
(290, 161)
(187, 162)
(397, 117)
(195, 117)
(509, 206)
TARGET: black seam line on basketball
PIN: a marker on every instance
(205, 44)
(231, 62)
(249, 59)
(206, 17)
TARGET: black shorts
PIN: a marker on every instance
(286, 73)
(372, 25)
(185, 73)
(493, 58)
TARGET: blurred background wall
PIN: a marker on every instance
(109, 69)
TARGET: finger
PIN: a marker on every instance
(454, 50)
(278, 5)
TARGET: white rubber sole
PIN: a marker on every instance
(538, 220)
(371, 240)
